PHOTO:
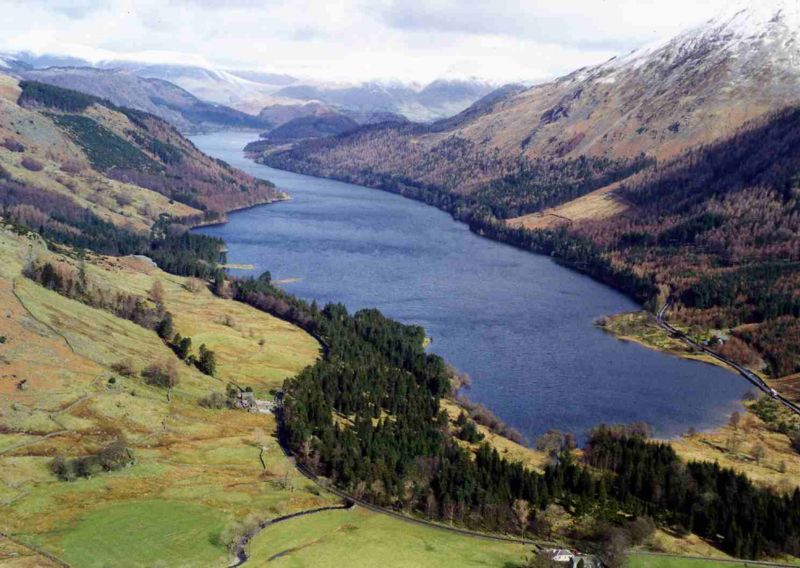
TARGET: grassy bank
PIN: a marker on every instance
(642, 328)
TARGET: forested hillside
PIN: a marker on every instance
(719, 229)
(370, 417)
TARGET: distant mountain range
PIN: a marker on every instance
(251, 92)
(161, 98)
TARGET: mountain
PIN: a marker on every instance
(161, 98)
(277, 115)
(44, 60)
(245, 91)
(10, 63)
(253, 91)
(690, 90)
(670, 172)
(306, 127)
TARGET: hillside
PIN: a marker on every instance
(73, 383)
(77, 159)
(155, 96)
(311, 127)
(718, 230)
(279, 114)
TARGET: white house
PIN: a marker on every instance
(561, 555)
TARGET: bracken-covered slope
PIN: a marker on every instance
(66, 156)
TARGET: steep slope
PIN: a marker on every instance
(84, 172)
(159, 97)
(692, 89)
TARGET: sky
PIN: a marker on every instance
(353, 40)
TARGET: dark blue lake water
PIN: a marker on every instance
(518, 323)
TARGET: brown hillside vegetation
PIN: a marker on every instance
(125, 167)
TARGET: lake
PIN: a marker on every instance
(519, 324)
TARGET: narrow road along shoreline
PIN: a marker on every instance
(757, 381)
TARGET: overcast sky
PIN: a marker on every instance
(419, 40)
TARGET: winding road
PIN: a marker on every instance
(406, 518)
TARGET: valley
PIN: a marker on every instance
(565, 333)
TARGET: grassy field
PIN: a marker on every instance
(252, 348)
(172, 533)
(359, 538)
(738, 447)
(599, 204)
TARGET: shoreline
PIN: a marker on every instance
(677, 349)
(224, 219)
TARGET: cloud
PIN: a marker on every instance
(73, 9)
(578, 23)
(502, 40)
